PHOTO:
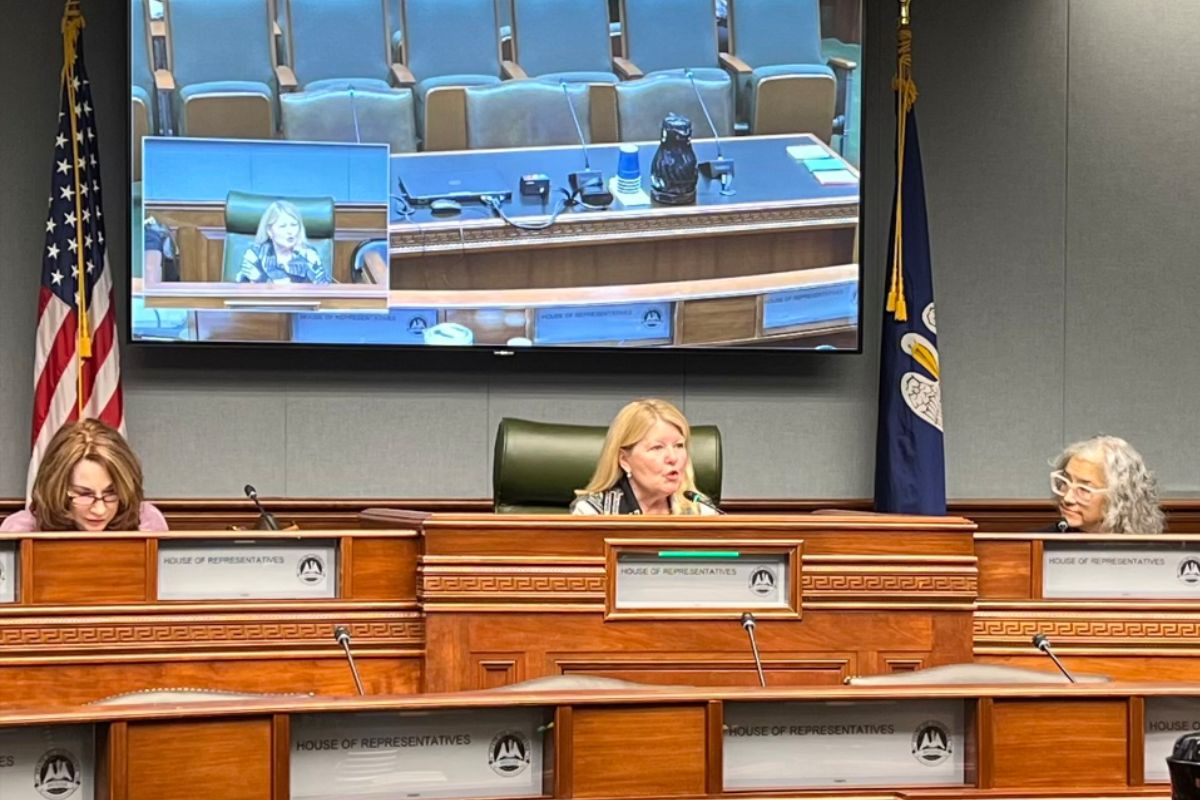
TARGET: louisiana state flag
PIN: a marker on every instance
(910, 461)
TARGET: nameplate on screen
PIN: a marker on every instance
(1144, 570)
(809, 305)
(8, 572)
(47, 761)
(470, 753)
(827, 745)
(624, 322)
(701, 579)
(247, 570)
(1167, 718)
(397, 326)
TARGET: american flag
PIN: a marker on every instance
(76, 371)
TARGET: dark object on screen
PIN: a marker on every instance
(673, 172)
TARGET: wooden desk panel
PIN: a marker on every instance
(508, 598)
(1036, 741)
(1126, 639)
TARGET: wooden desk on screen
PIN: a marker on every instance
(1126, 639)
(1027, 741)
(86, 623)
(508, 598)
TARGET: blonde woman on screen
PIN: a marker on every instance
(1102, 485)
(281, 252)
(645, 466)
(89, 480)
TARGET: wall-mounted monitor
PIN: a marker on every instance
(497, 174)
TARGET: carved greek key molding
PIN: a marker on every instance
(498, 586)
(869, 584)
(41, 635)
(1078, 631)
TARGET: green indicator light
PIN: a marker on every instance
(699, 554)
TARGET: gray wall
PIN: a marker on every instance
(1060, 141)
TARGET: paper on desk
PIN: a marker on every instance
(836, 176)
(824, 164)
(803, 151)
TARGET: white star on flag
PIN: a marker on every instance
(67, 193)
(60, 141)
(52, 251)
(50, 226)
(72, 245)
(63, 166)
(69, 218)
(57, 277)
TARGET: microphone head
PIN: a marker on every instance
(1041, 641)
(340, 634)
(249, 490)
(748, 620)
(1062, 526)
(693, 496)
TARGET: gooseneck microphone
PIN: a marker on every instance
(748, 623)
(1062, 526)
(722, 167)
(703, 500)
(342, 636)
(266, 520)
(354, 112)
(587, 183)
(1042, 642)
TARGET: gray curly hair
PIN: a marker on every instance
(1132, 505)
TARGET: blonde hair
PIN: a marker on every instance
(1131, 503)
(629, 427)
(88, 439)
(274, 211)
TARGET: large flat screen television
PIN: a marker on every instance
(497, 174)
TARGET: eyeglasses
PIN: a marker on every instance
(1061, 484)
(89, 499)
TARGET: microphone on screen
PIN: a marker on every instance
(703, 500)
(1062, 526)
(266, 520)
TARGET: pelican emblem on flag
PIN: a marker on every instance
(923, 393)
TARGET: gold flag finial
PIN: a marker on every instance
(905, 13)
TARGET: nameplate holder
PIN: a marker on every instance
(1167, 718)
(811, 745)
(8, 572)
(250, 569)
(48, 761)
(497, 752)
(702, 578)
(1136, 570)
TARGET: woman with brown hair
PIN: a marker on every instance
(89, 480)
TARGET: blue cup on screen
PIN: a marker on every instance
(629, 172)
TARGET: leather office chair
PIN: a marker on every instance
(370, 262)
(143, 99)
(383, 116)
(336, 45)
(539, 465)
(785, 84)
(441, 57)
(223, 76)
(642, 105)
(562, 40)
(243, 211)
(525, 114)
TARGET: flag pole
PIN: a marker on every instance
(72, 27)
(906, 96)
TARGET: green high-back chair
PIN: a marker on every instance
(539, 465)
(243, 211)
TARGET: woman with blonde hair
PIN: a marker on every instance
(89, 480)
(1102, 485)
(281, 252)
(644, 466)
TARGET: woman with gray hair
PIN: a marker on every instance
(1102, 486)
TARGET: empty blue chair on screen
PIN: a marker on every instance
(565, 40)
(785, 83)
(643, 104)
(669, 36)
(370, 261)
(448, 44)
(526, 114)
(222, 68)
(335, 45)
(143, 104)
(244, 211)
